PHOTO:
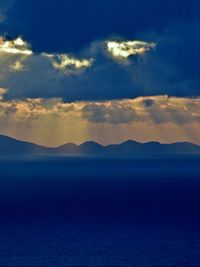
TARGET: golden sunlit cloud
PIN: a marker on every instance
(123, 50)
(3, 91)
(16, 46)
(53, 121)
(17, 66)
(14, 53)
(64, 62)
(155, 109)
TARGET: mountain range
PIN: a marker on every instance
(10, 146)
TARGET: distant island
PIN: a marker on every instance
(10, 146)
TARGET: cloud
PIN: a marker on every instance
(17, 66)
(16, 46)
(148, 102)
(68, 63)
(95, 79)
(3, 91)
(151, 110)
(53, 121)
(112, 113)
(93, 75)
(16, 56)
(125, 49)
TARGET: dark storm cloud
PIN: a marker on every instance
(100, 78)
(148, 102)
(114, 113)
(72, 25)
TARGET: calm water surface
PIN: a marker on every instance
(100, 212)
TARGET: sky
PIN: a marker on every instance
(107, 71)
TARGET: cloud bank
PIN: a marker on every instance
(41, 120)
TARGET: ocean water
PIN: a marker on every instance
(139, 212)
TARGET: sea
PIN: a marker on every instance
(100, 212)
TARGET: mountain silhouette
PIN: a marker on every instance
(10, 146)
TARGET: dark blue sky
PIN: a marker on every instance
(71, 25)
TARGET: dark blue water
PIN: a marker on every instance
(100, 212)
